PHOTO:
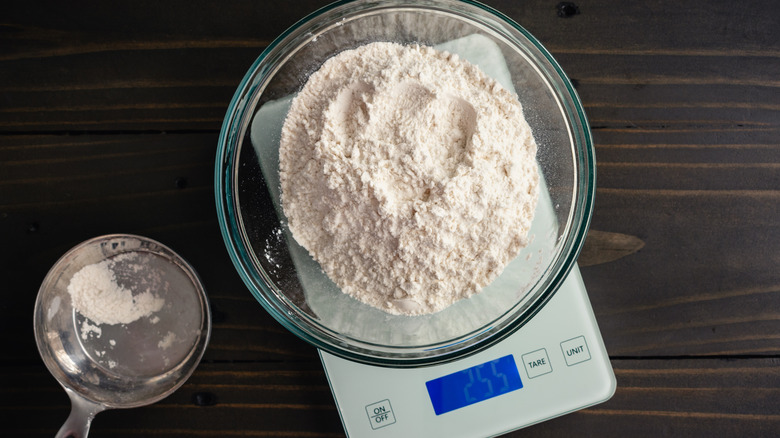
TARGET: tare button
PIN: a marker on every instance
(575, 350)
(537, 363)
(380, 414)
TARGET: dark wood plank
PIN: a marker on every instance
(145, 69)
(704, 203)
(705, 282)
(145, 65)
(108, 123)
(653, 399)
(672, 398)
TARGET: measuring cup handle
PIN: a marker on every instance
(82, 411)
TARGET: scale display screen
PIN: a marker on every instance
(473, 385)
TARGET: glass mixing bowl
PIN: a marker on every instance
(291, 286)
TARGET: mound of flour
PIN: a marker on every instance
(408, 174)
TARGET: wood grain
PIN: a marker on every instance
(149, 71)
(109, 118)
(604, 247)
(654, 398)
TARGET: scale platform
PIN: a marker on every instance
(554, 365)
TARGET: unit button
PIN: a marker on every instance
(575, 350)
(537, 363)
(380, 414)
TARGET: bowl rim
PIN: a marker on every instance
(234, 125)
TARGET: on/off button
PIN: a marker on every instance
(380, 414)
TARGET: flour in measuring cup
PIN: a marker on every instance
(409, 175)
(96, 295)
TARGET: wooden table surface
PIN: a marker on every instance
(109, 118)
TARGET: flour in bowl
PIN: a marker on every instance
(409, 175)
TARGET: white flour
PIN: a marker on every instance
(167, 341)
(409, 175)
(95, 293)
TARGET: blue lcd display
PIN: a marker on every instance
(474, 384)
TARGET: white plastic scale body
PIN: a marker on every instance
(554, 365)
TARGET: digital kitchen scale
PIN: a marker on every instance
(553, 365)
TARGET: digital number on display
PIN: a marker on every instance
(474, 384)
